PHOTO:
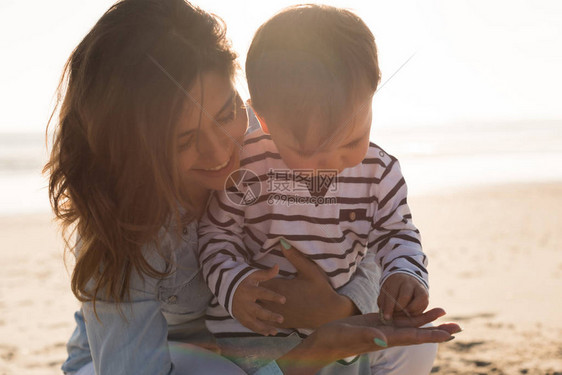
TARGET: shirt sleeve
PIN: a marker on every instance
(129, 337)
(135, 343)
(222, 255)
(77, 346)
(363, 288)
(393, 237)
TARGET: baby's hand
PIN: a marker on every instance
(402, 293)
(246, 309)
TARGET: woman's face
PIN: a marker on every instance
(210, 134)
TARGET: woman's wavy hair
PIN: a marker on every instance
(112, 169)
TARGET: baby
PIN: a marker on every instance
(310, 178)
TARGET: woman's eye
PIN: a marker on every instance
(238, 106)
(227, 118)
(185, 145)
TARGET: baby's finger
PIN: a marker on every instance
(267, 316)
(258, 326)
(417, 305)
(264, 294)
(264, 275)
(387, 308)
(405, 295)
(388, 302)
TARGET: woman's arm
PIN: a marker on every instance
(356, 335)
(77, 346)
(129, 338)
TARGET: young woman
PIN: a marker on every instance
(150, 123)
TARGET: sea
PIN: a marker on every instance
(433, 159)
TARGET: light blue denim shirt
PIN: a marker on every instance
(132, 337)
(134, 341)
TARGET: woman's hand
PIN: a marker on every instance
(310, 299)
(361, 334)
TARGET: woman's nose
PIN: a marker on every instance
(215, 145)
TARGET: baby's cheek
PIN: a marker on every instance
(294, 161)
(357, 156)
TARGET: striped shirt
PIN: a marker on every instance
(363, 209)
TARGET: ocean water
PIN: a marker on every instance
(23, 189)
(461, 156)
(433, 159)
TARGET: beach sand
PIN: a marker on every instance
(495, 266)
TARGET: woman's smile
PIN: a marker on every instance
(218, 170)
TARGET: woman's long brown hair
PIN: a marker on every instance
(112, 169)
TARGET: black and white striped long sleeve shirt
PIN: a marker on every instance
(363, 210)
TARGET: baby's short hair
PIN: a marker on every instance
(311, 63)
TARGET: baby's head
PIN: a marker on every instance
(312, 71)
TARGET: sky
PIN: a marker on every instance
(442, 62)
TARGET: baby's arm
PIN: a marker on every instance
(364, 285)
(224, 262)
(397, 244)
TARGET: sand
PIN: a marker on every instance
(495, 266)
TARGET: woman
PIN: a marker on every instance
(149, 125)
